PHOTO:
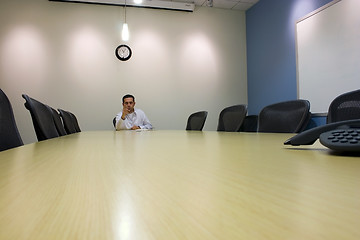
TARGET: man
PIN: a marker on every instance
(131, 117)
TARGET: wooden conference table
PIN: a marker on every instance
(177, 185)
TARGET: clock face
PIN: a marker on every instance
(123, 52)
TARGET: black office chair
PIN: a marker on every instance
(285, 117)
(42, 119)
(68, 120)
(250, 124)
(231, 118)
(75, 121)
(9, 134)
(196, 121)
(58, 123)
(114, 122)
(344, 107)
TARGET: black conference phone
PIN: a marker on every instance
(338, 136)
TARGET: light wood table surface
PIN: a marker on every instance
(177, 185)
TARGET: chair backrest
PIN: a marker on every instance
(344, 107)
(68, 121)
(58, 122)
(75, 121)
(196, 121)
(42, 118)
(250, 124)
(285, 117)
(231, 118)
(9, 134)
(114, 122)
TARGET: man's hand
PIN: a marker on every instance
(135, 127)
(124, 113)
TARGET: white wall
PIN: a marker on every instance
(62, 54)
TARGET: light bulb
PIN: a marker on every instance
(125, 32)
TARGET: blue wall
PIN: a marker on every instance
(271, 54)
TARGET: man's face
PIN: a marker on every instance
(129, 104)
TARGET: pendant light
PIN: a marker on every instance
(125, 29)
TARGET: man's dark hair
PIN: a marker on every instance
(128, 96)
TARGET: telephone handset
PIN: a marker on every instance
(339, 136)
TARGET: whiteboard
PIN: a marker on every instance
(328, 53)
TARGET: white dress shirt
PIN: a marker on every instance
(136, 118)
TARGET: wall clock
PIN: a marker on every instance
(123, 52)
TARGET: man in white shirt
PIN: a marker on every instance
(131, 117)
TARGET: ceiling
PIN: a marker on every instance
(225, 4)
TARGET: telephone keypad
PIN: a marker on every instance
(341, 139)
